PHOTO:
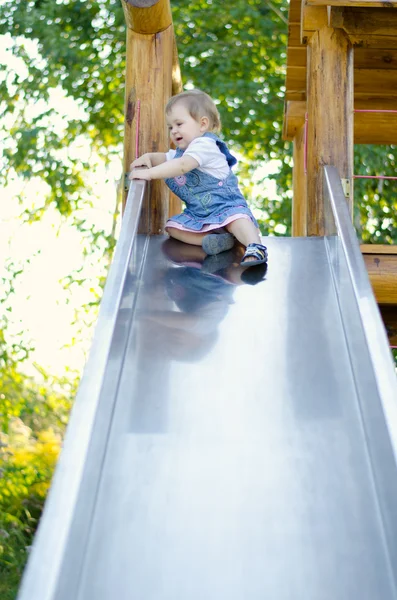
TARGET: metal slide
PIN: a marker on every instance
(229, 441)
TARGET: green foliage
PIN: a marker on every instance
(33, 415)
(376, 199)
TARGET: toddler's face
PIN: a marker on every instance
(183, 128)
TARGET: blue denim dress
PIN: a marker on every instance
(209, 201)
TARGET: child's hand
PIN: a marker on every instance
(140, 174)
(142, 161)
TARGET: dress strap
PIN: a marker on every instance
(231, 160)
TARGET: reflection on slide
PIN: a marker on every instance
(201, 289)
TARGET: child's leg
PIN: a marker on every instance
(189, 237)
(245, 231)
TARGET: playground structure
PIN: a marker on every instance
(192, 467)
(341, 90)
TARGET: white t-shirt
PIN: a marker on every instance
(209, 157)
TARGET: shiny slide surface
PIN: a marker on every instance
(230, 439)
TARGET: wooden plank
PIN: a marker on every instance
(294, 11)
(355, 3)
(296, 56)
(330, 117)
(294, 34)
(382, 271)
(373, 58)
(296, 79)
(295, 96)
(364, 58)
(375, 128)
(365, 21)
(373, 103)
(299, 186)
(364, 40)
(312, 19)
(294, 118)
(378, 249)
(369, 128)
(375, 82)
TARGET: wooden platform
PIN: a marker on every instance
(375, 63)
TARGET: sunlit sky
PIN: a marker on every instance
(41, 308)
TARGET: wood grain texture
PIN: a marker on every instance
(147, 16)
(365, 21)
(330, 117)
(382, 271)
(355, 3)
(378, 249)
(149, 80)
(299, 204)
(369, 128)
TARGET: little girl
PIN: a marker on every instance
(199, 173)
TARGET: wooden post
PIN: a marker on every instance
(177, 87)
(150, 63)
(330, 117)
(299, 203)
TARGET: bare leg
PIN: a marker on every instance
(245, 231)
(188, 237)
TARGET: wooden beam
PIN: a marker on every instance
(149, 80)
(330, 117)
(369, 127)
(296, 56)
(294, 118)
(152, 76)
(355, 3)
(382, 271)
(294, 11)
(374, 58)
(147, 16)
(294, 34)
(375, 83)
(375, 128)
(177, 86)
(313, 18)
(364, 21)
(379, 83)
(378, 249)
(295, 82)
(299, 186)
(364, 58)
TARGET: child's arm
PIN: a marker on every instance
(171, 168)
(150, 159)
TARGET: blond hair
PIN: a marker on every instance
(199, 104)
